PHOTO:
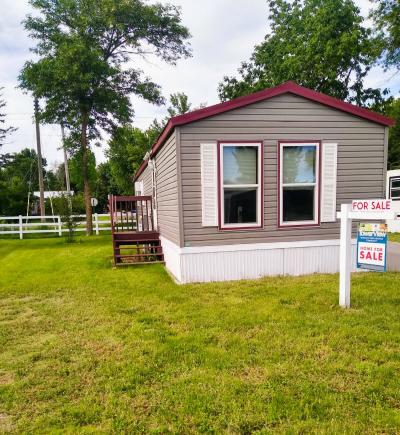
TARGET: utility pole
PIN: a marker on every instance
(67, 182)
(66, 169)
(40, 162)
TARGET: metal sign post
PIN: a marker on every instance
(378, 209)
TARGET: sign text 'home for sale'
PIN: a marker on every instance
(371, 246)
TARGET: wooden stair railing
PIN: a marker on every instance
(135, 239)
(131, 213)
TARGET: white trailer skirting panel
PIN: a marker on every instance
(251, 261)
(172, 257)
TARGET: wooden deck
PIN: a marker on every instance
(135, 238)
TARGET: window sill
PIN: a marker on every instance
(299, 225)
(241, 228)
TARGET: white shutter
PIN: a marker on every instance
(328, 182)
(209, 183)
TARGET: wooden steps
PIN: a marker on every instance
(137, 251)
(139, 263)
(135, 240)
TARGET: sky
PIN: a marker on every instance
(224, 33)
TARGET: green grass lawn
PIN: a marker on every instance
(86, 348)
(394, 237)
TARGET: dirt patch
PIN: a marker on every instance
(253, 375)
(6, 424)
(6, 378)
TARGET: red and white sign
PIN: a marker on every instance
(371, 205)
(371, 246)
(371, 253)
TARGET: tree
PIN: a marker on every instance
(64, 208)
(4, 131)
(83, 48)
(387, 21)
(393, 111)
(179, 104)
(128, 145)
(126, 150)
(320, 44)
(58, 178)
(18, 177)
(105, 186)
(75, 173)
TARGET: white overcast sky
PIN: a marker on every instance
(224, 33)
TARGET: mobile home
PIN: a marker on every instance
(251, 187)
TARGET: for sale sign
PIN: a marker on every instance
(372, 205)
(371, 246)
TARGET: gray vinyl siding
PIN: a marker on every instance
(168, 209)
(361, 162)
(146, 178)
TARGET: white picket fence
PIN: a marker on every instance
(50, 224)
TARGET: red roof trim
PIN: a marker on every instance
(287, 87)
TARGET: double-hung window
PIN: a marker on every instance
(394, 188)
(240, 185)
(299, 183)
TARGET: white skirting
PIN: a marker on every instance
(172, 257)
(250, 261)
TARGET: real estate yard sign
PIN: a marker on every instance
(372, 239)
(371, 246)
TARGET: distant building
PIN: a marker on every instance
(48, 194)
(53, 193)
(393, 193)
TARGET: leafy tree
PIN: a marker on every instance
(77, 203)
(52, 181)
(18, 177)
(127, 148)
(4, 131)
(83, 48)
(179, 104)
(129, 145)
(387, 21)
(320, 44)
(64, 208)
(105, 186)
(75, 173)
(58, 178)
(393, 110)
(5, 160)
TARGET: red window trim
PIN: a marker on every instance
(297, 225)
(252, 228)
